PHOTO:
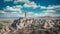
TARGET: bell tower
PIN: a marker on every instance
(26, 15)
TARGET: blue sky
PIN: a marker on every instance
(34, 8)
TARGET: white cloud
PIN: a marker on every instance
(17, 1)
(13, 9)
(50, 7)
(45, 13)
(18, 6)
(42, 7)
(49, 11)
(30, 5)
(30, 12)
(1, 12)
(36, 15)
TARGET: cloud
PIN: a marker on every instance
(42, 7)
(30, 14)
(30, 5)
(2, 12)
(16, 10)
(50, 7)
(13, 9)
(17, 1)
(27, 3)
(37, 15)
(49, 11)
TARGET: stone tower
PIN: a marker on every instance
(26, 15)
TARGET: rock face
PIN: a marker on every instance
(32, 26)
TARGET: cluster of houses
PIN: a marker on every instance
(38, 23)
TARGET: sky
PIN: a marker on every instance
(34, 8)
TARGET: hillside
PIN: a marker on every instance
(30, 26)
